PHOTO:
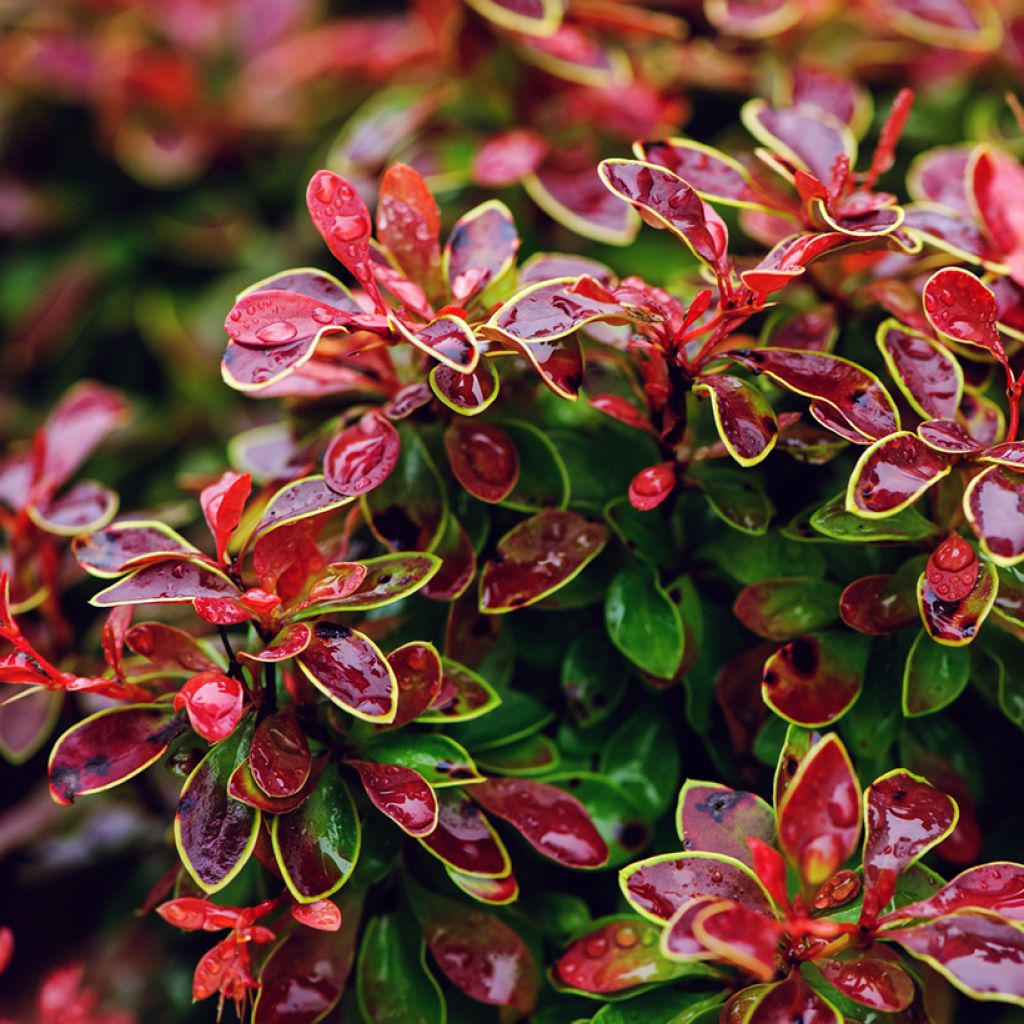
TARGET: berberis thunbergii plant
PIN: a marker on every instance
(531, 545)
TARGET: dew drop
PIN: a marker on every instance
(278, 332)
(595, 947)
(626, 937)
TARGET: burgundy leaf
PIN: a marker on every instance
(289, 643)
(715, 176)
(550, 310)
(929, 377)
(466, 393)
(362, 456)
(812, 330)
(994, 506)
(465, 839)
(537, 557)
(878, 604)
(82, 508)
(301, 499)
(109, 747)
(128, 544)
(745, 421)
(553, 822)
(939, 175)
(622, 410)
(417, 669)
(223, 504)
(855, 394)
(892, 474)
(947, 436)
(463, 695)
(377, 581)
(447, 338)
(956, 233)
(458, 563)
(344, 224)
(904, 818)
(167, 583)
(789, 1000)
(819, 817)
(659, 886)
(408, 222)
(716, 819)
(400, 793)
(789, 258)
(996, 887)
(741, 936)
(168, 648)
(349, 669)
(876, 980)
(483, 458)
(961, 308)
(507, 158)
(579, 200)
(214, 703)
(809, 138)
(953, 622)
(279, 759)
(244, 788)
(481, 247)
(1009, 454)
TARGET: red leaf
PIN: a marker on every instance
(952, 569)
(997, 887)
(481, 247)
(819, 817)
(927, 374)
(904, 818)
(447, 338)
(892, 474)
(948, 436)
(115, 629)
(6, 948)
(165, 647)
(996, 181)
(716, 819)
(214, 703)
(537, 557)
(466, 393)
(343, 221)
(852, 392)
(223, 504)
(740, 936)
(960, 307)
(417, 668)
(651, 486)
(323, 915)
(400, 793)
(553, 309)
(465, 839)
(745, 421)
(284, 560)
(553, 822)
(714, 175)
(622, 410)
(802, 135)
(873, 979)
(362, 456)
(167, 583)
(279, 759)
(892, 129)
(993, 503)
(878, 604)
(789, 1000)
(483, 459)
(506, 159)
(408, 223)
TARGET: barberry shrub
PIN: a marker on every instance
(463, 618)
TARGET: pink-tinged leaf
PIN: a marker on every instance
(1009, 454)
(483, 458)
(482, 246)
(507, 158)
(223, 504)
(929, 377)
(578, 200)
(832, 420)
(458, 563)
(854, 393)
(940, 176)
(343, 221)
(279, 759)
(115, 629)
(305, 976)
(752, 19)
(955, 233)
(301, 499)
(408, 400)
(952, 569)
(827, 90)
(284, 560)
(109, 747)
(678, 941)
(463, 695)
(997, 887)
(659, 886)
(246, 368)
(956, 623)
(465, 839)
(620, 954)
(315, 284)
(6, 948)
(959, 307)
(362, 456)
(408, 222)
(167, 583)
(788, 259)
(623, 410)
(651, 486)
(809, 138)
(819, 817)
(716, 819)
(892, 474)
(878, 604)
(552, 822)
(480, 955)
(740, 936)
(349, 669)
(215, 834)
(166, 647)
(537, 557)
(126, 545)
(948, 436)
(995, 183)
(665, 200)
(874, 979)
(323, 915)
(317, 844)
(214, 703)
(85, 415)
(904, 817)
(814, 680)
(447, 338)
(981, 954)
(289, 643)
(713, 175)
(559, 363)
(812, 330)
(274, 319)
(400, 793)
(385, 579)
(466, 393)
(789, 1000)
(745, 421)
(86, 506)
(417, 668)
(994, 506)
(983, 419)
(244, 788)
(551, 310)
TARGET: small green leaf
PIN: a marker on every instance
(934, 676)
(643, 622)
(832, 520)
(643, 758)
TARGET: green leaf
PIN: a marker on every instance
(643, 533)
(593, 678)
(438, 758)
(393, 984)
(832, 520)
(782, 609)
(735, 496)
(517, 716)
(934, 676)
(643, 758)
(643, 622)
(750, 559)
(543, 479)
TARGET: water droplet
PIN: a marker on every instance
(322, 315)
(347, 228)
(278, 332)
(626, 937)
(595, 947)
